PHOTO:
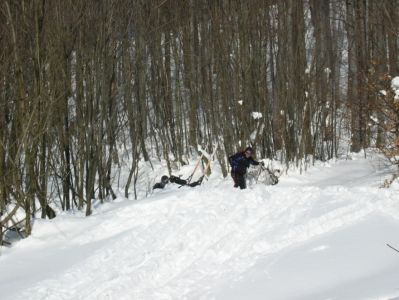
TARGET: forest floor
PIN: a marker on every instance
(321, 234)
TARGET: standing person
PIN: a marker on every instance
(239, 164)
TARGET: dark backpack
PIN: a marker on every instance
(238, 163)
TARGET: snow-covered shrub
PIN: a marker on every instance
(385, 118)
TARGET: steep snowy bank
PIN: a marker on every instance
(352, 262)
(321, 235)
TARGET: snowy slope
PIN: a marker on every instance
(320, 235)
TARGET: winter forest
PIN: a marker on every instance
(99, 100)
(90, 87)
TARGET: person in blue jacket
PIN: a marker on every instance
(239, 163)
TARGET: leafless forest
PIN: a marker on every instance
(80, 78)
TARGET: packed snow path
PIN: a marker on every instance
(320, 235)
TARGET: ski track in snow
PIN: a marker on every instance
(178, 244)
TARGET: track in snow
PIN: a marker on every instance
(194, 243)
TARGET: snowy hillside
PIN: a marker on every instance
(319, 235)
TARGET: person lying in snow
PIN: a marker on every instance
(239, 163)
(162, 184)
(174, 179)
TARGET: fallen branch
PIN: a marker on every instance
(10, 215)
(393, 248)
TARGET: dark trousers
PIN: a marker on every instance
(239, 180)
(182, 182)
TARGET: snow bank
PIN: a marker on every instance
(317, 236)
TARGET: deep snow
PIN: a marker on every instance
(319, 235)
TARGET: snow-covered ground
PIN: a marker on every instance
(319, 235)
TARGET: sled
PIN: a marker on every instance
(263, 175)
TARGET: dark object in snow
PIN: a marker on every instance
(161, 185)
(183, 182)
(174, 179)
(50, 213)
(393, 248)
(239, 163)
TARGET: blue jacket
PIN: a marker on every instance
(240, 163)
